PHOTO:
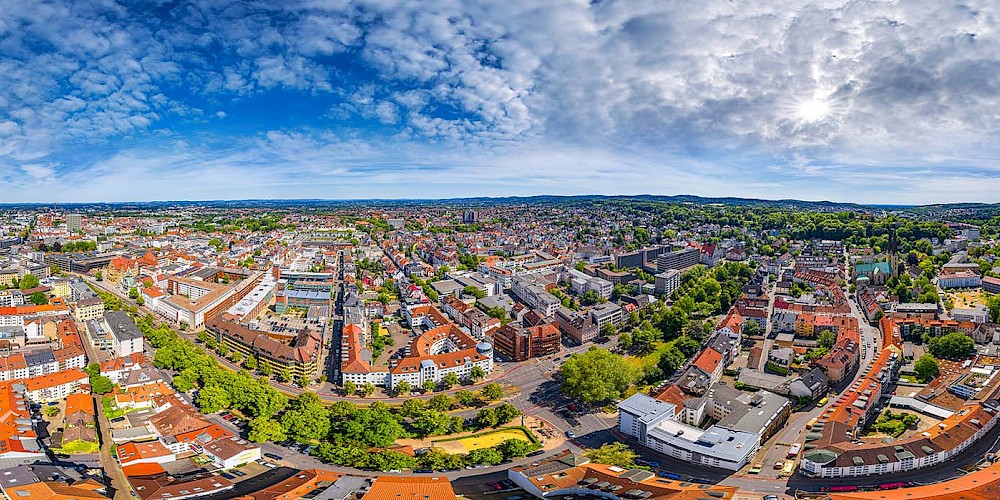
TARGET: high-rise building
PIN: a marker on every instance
(74, 222)
(678, 259)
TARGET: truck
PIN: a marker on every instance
(788, 469)
(811, 422)
(793, 451)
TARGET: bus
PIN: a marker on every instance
(794, 450)
(840, 489)
(811, 422)
(891, 486)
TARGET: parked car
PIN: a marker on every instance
(228, 476)
(535, 453)
(570, 434)
(272, 456)
(238, 472)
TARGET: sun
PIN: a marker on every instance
(812, 110)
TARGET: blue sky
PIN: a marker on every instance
(878, 102)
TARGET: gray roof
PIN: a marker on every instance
(344, 487)
(645, 407)
(38, 358)
(122, 326)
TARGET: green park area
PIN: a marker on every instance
(481, 440)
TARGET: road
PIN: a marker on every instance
(118, 485)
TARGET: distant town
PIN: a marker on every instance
(624, 348)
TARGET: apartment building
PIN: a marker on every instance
(667, 282)
(680, 260)
(519, 343)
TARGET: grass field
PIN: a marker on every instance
(968, 298)
(482, 440)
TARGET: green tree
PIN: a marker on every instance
(451, 379)
(492, 392)
(474, 291)
(431, 423)
(687, 345)
(440, 402)
(133, 293)
(250, 363)
(429, 385)
(826, 339)
(264, 429)
(591, 297)
(368, 389)
(625, 341)
(101, 385)
(29, 281)
(349, 388)
(618, 454)
(671, 360)
(412, 407)
(596, 375)
(487, 456)
(212, 399)
(926, 368)
(374, 427)
(477, 373)
(514, 448)
(465, 398)
(954, 345)
(51, 411)
(306, 419)
(403, 388)
(487, 417)
(38, 298)
(608, 330)
(506, 412)
(285, 376)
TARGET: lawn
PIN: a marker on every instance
(968, 298)
(111, 410)
(79, 446)
(487, 439)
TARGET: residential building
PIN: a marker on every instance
(54, 386)
(977, 314)
(299, 356)
(519, 343)
(534, 295)
(578, 327)
(413, 487)
(126, 339)
(959, 279)
(667, 282)
(680, 260)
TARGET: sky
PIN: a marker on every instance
(861, 101)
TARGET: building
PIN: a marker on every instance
(18, 440)
(959, 279)
(656, 425)
(74, 223)
(680, 260)
(87, 309)
(126, 339)
(48, 482)
(518, 343)
(304, 484)
(977, 314)
(579, 328)
(151, 481)
(567, 475)
(534, 295)
(54, 386)
(667, 282)
(607, 313)
(299, 356)
(580, 283)
(410, 487)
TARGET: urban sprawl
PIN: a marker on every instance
(624, 348)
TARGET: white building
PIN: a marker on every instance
(126, 339)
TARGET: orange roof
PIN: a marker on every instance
(143, 469)
(55, 379)
(397, 487)
(79, 402)
(131, 452)
(980, 485)
(57, 490)
(708, 360)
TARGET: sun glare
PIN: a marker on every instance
(812, 110)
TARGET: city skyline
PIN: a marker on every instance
(873, 103)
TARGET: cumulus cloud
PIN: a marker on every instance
(820, 99)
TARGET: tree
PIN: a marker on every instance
(101, 385)
(28, 281)
(477, 373)
(955, 345)
(263, 429)
(926, 368)
(826, 339)
(451, 379)
(38, 298)
(506, 412)
(368, 389)
(608, 330)
(465, 398)
(687, 345)
(212, 399)
(488, 456)
(412, 407)
(514, 448)
(99, 276)
(133, 293)
(487, 417)
(349, 388)
(590, 297)
(374, 427)
(440, 402)
(596, 375)
(751, 328)
(431, 423)
(285, 376)
(618, 454)
(304, 382)
(306, 419)
(250, 363)
(492, 392)
(671, 360)
(625, 341)
(403, 388)
(51, 411)
(475, 291)
(429, 385)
